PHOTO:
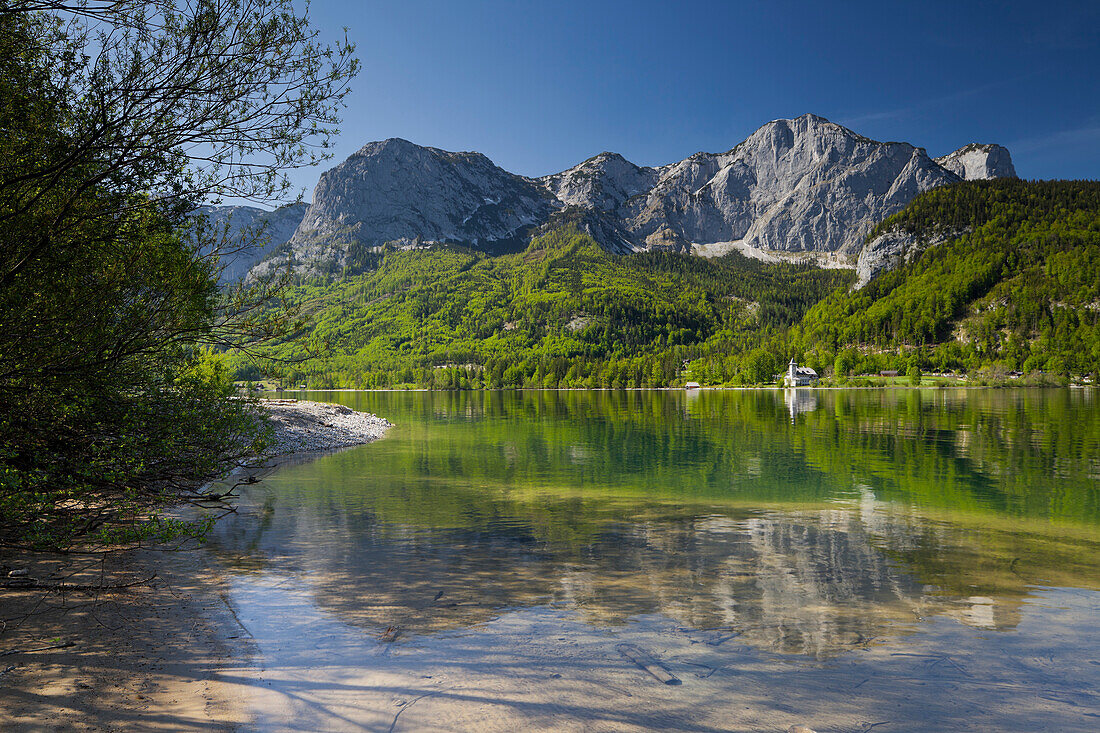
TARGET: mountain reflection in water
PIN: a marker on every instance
(807, 524)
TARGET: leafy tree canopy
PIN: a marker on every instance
(116, 119)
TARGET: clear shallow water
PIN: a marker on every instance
(822, 558)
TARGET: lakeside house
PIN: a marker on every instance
(691, 385)
(799, 376)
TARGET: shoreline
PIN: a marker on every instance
(158, 644)
(709, 388)
(164, 653)
(305, 426)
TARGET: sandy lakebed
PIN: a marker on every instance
(160, 648)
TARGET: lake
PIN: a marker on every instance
(856, 560)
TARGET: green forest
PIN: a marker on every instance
(563, 313)
(117, 120)
(1016, 290)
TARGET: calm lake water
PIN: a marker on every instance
(846, 560)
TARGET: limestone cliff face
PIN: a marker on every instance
(270, 229)
(892, 249)
(394, 190)
(977, 162)
(794, 185)
(801, 185)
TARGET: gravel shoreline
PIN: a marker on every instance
(302, 426)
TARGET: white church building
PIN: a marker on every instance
(799, 376)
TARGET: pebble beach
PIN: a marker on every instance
(302, 426)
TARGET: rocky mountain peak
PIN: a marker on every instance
(401, 150)
(805, 184)
(394, 189)
(608, 157)
(602, 182)
(390, 145)
(978, 161)
(806, 130)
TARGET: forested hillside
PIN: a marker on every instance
(1018, 289)
(564, 312)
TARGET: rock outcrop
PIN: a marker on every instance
(801, 185)
(892, 249)
(393, 190)
(977, 162)
(251, 234)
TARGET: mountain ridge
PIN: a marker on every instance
(251, 234)
(803, 185)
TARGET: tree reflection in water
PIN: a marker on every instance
(807, 524)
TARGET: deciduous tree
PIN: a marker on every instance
(116, 120)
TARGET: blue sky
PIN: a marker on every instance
(540, 86)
